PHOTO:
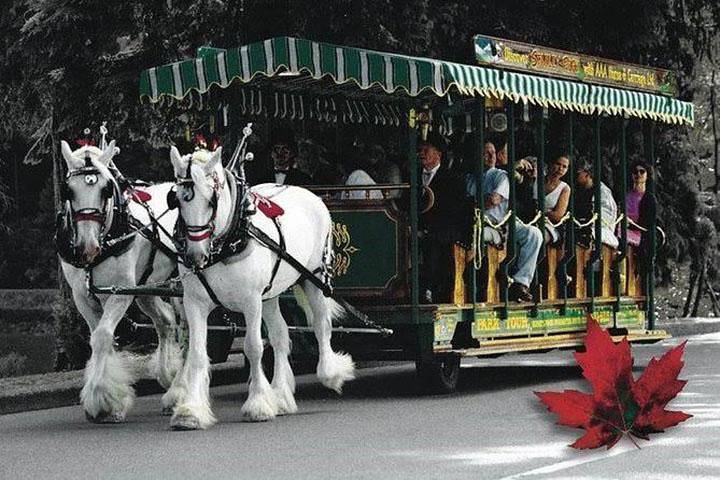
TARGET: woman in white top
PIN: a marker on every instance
(557, 197)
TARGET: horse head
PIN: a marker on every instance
(88, 193)
(200, 183)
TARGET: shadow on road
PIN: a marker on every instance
(401, 382)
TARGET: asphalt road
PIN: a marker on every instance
(380, 428)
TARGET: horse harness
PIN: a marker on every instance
(234, 239)
(118, 226)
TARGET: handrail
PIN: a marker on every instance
(374, 186)
(501, 223)
(534, 221)
(561, 221)
(586, 224)
(638, 227)
(477, 231)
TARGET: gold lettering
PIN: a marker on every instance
(487, 324)
(514, 57)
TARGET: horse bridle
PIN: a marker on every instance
(111, 190)
(194, 233)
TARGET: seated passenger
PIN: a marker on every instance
(584, 207)
(496, 187)
(445, 223)
(280, 167)
(557, 197)
(640, 208)
(382, 169)
(359, 176)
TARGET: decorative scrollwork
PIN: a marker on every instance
(343, 249)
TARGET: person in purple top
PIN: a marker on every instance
(640, 207)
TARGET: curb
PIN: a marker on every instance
(691, 326)
(62, 389)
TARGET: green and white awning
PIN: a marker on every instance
(369, 70)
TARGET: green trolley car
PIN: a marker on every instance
(377, 247)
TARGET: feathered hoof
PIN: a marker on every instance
(260, 408)
(187, 417)
(339, 369)
(185, 423)
(285, 403)
(106, 417)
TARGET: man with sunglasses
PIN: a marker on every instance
(283, 169)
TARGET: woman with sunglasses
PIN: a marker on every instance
(640, 207)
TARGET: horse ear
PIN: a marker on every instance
(215, 159)
(67, 154)
(108, 154)
(177, 161)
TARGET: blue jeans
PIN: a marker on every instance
(529, 240)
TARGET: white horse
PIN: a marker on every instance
(205, 199)
(107, 394)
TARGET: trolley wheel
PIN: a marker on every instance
(439, 375)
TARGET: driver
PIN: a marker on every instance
(446, 222)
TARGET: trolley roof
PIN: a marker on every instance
(293, 64)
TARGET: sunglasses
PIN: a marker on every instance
(639, 171)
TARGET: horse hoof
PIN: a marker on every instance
(184, 423)
(166, 411)
(106, 417)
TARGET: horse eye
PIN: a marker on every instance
(187, 194)
(91, 179)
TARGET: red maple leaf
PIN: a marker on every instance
(619, 405)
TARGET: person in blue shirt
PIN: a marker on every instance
(496, 188)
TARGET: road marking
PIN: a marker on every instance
(592, 457)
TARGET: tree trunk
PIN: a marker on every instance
(715, 135)
(700, 290)
(688, 299)
(713, 298)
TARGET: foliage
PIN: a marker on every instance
(12, 364)
(619, 404)
(72, 333)
(71, 64)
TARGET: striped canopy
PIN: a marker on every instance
(296, 61)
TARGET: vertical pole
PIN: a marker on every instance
(540, 184)
(414, 219)
(570, 230)
(478, 135)
(596, 257)
(511, 248)
(649, 280)
(622, 204)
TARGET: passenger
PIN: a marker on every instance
(382, 169)
(640, 208)
(496, 187)
(584, 207)
(359, 175)
(444, 224)
(557, 198)
(281, 167)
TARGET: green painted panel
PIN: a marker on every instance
(548, 320)
(365, 244)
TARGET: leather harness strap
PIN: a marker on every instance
(279, 259)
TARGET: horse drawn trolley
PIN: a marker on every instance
(377, 233)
